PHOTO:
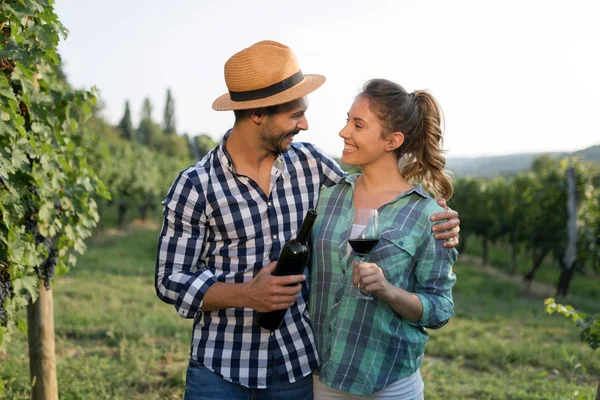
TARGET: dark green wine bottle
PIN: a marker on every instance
(292, 261)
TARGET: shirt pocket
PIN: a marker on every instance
(395, 255)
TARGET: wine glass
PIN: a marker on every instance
(363, 237)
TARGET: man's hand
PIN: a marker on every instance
(448, 230)
(267, 292)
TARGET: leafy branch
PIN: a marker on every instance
(590, 326)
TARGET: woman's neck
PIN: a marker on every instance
(379, 184)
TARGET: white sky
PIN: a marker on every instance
(512, 76)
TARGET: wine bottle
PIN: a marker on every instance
(292, 261)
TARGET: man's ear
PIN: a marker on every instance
(394, 141)
(258, 115)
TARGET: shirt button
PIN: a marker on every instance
(269, 204)
(275, 237)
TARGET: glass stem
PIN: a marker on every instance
(360, 260)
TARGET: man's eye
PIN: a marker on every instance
(358, 126)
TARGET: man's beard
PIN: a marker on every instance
(277, 142)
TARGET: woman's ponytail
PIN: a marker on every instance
(429, 155)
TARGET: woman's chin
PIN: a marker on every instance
(347, 159)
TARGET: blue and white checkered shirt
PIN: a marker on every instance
(219, 226)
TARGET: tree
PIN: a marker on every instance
(519, 206)
(580, 244)
(547, 232)
(204, 144)
(530, 210)
(589, 230)
(191, 150)
(199, 145)
(569, 257)
(173, 145)
(147, 131)
(137, 176)
(545, 228)
(542, 164)
(125, 124)
(473, 200)
(509, 206)
(47, 189)
(169, 115)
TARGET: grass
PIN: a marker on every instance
(582, 287)
(116, 340)
(501, 345)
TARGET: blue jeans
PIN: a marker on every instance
(201, 383)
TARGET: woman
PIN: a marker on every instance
(374, 349)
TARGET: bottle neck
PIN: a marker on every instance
(307, 224)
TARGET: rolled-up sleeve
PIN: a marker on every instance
(179, 278)
(434, 282)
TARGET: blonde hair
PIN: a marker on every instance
(419, 117)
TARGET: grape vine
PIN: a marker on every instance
(6, 292)
(48, 190)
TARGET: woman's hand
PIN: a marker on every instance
(370, 279)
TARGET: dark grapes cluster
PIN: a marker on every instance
(30, 217)
(47, 268)
(31, 227)
(30, 224)
(6, 292)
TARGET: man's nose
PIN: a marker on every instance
(302, 124)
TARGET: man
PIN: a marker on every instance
(225, 221)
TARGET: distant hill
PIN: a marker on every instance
(510, 164)
(590, 154)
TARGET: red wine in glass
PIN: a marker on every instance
(363, 237)
(362, 247)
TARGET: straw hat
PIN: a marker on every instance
(264, 74)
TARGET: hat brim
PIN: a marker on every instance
(310, 83)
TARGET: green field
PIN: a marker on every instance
(116, 340)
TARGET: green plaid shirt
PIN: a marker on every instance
(365, 346)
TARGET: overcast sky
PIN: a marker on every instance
(511, 76)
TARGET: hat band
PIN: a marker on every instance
(269, 90)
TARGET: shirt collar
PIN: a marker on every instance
(223, 155)
(226, 161)
(417, 188)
